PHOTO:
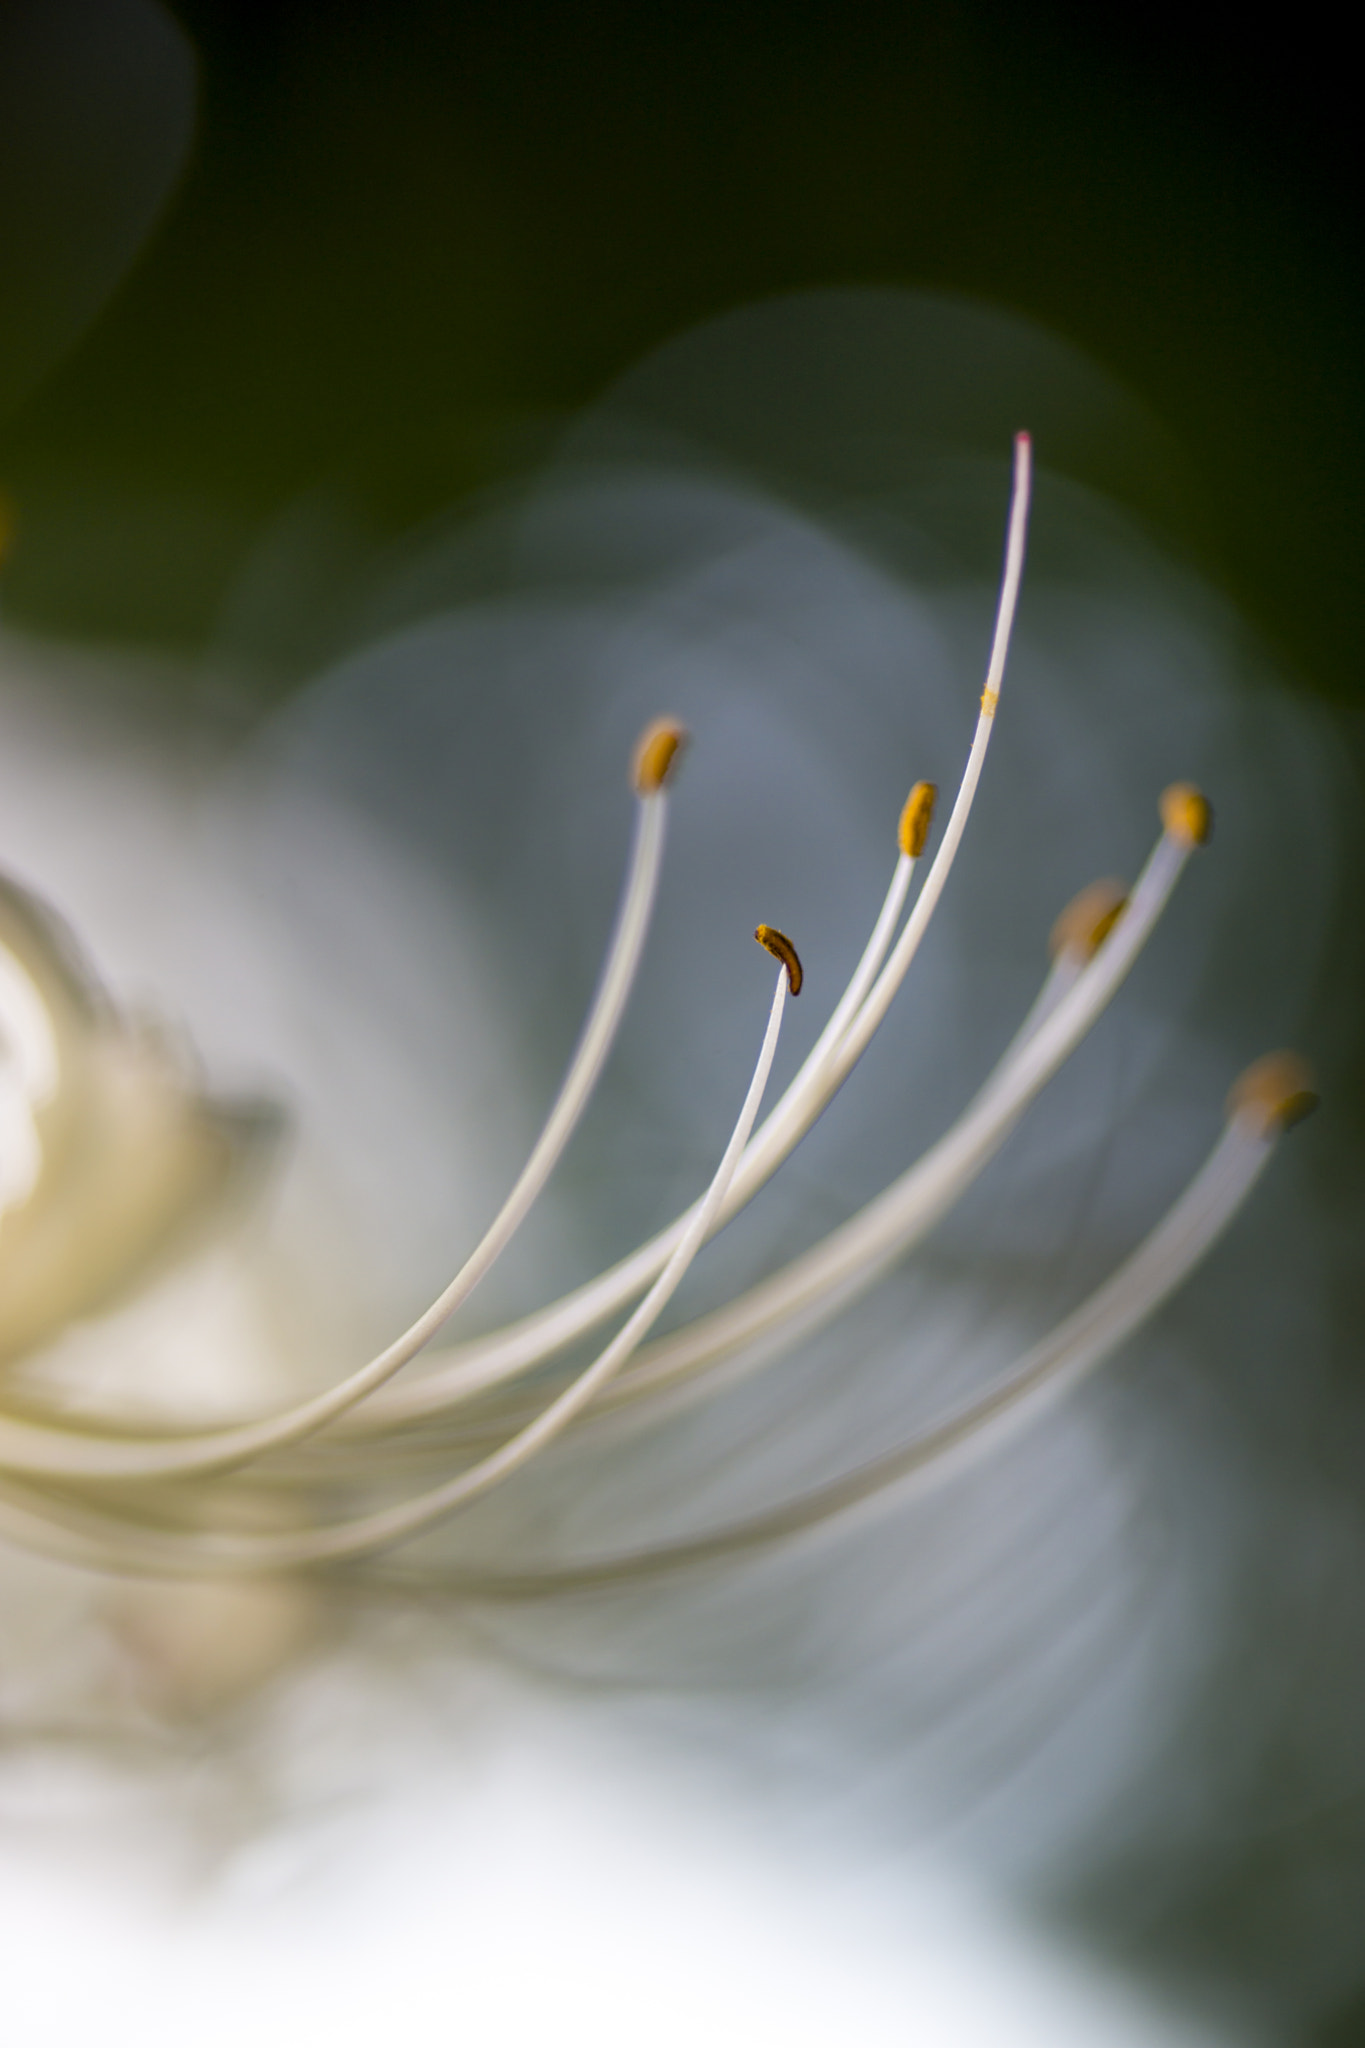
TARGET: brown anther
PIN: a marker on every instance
(781, 948)
(1088, 919)
(1187, 814)
(656, 754)
(916, 819)
(1274, 1093)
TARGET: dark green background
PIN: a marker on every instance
(415, 234)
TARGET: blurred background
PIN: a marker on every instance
(410, 240)
(287, 285)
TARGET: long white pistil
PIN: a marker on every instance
(61, 1453)
(147, 1549)
(839, 1049)
(879, 1001)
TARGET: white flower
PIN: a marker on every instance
(193, 1410)
(109, 1146)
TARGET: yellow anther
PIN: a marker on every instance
(1187, 814)
(781, 948)
(1273, 1093)
(989, 700)
(916, 819)
(1088, 919)
(656, 754)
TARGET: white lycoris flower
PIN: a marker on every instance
(85, 1490)
(379, 914)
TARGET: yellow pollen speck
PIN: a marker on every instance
(1187, 814)
(656, 754)
(1274, 1093)
(916, 819)
(1088, 919)
(781, 948)
(989, 700)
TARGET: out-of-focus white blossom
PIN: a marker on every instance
(381, 915)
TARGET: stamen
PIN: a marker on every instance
(1187, 814)
(916, 819)
(860, 981)
(781, 948)
(1088, 920)
(656, 755)
(1274, 1094)
(1075, 939)
(879, 1001)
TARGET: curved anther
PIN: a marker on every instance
(780, 946)
(916, 818)
(1187, 814)
(657, 753)
(1274, 1094)
(1088, 919)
